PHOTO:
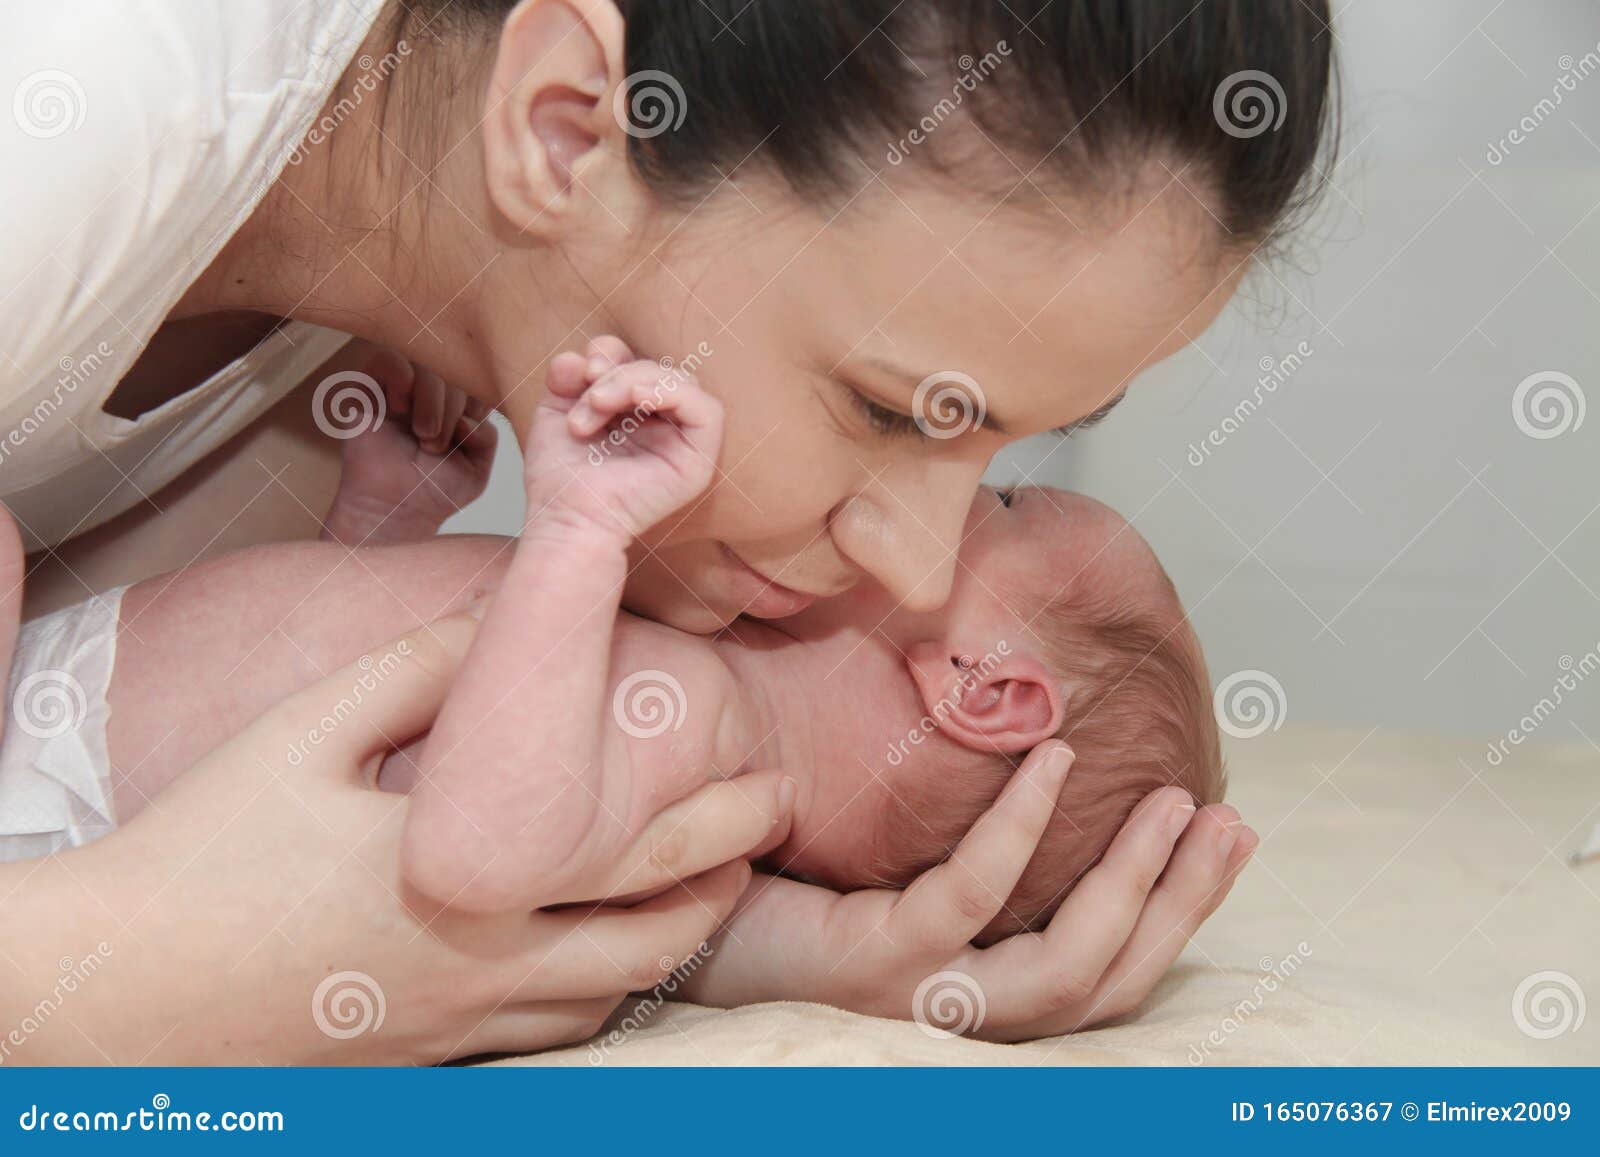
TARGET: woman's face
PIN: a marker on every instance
(828, 334)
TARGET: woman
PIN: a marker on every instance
(840, 211)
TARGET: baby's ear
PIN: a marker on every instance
(985, 701)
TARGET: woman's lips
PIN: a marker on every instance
(760, 597)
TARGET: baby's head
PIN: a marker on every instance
(1061, 622)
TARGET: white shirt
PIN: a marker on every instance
(141, 135)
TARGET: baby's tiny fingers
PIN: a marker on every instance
(606, 353)
(397, 377)
(455, 405)
(565, 377)
(428, 405)
(618, 391)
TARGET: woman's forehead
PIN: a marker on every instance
(1052, 318)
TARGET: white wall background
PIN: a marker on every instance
(1380, 535)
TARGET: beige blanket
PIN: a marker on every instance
(1404, 903)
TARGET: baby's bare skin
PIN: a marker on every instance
(830, 697)
(203, 651)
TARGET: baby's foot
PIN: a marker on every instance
(424, 454)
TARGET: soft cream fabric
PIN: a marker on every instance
(1426, 885)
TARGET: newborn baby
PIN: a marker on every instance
(573, 723)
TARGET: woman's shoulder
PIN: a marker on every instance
(142, 135)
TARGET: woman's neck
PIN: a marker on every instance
(384, 229)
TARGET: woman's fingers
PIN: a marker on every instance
(1204, 866)
(388, 696)
(536, 1024)
(592, 952)
(948, 905)
(727, 820)
(1062, 965)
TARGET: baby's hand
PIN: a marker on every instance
(619, 443)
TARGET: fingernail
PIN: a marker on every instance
(1061, 759)
(475, 609)
(1229, 837)
(598, 366)
(744, 874)
(1179, 819)
(787, 790)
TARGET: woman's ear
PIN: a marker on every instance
(992, 703)
(553, 149)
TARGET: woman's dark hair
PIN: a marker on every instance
(1236, 95)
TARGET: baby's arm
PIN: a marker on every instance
(520, 790)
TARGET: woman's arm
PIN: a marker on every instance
(234, 922)
(271, 483)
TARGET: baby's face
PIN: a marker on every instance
(878, 670)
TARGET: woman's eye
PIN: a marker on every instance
(889, 423)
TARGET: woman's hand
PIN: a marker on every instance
(880, 951)
(254, 913)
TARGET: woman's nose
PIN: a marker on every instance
(905, 531)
